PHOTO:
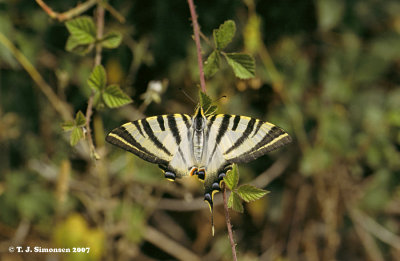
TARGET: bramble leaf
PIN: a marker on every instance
(235, 203)
(243, 65)
(250, 193)
(224, 34)
(111, 40)
(211, 65)
(232, 178)
(98, 78)
(82, 29)
(211, 110)
(76, 135)
(80, 119)
(114, 97)
(74, 46)
(205, 101)
(68, 126)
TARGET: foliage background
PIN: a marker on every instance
(327, 72)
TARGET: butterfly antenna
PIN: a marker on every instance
(220, 98)
(187, 96)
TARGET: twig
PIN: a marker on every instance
(376, 229)
(97, 61)
(79, 9)
(57, 103)
(168, 245)
(228, 225)
(196, 31)
(114, 12)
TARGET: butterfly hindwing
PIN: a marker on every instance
(162, 140)
(238, 139)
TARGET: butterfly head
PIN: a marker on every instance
(199, 120)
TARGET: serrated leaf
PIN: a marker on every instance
(205, 100)
(111, 40)
(243, 65)
(98, 78)
(67, 126)
(74, 46)
(114, 97)
(211, 65)
(250, 193)
(211, 110)
(80, 119)
(76, 135)
(235, 203)
(232, 178)
(97, 101)
(224, 34)
(82, 29)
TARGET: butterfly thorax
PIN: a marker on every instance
(199, 123)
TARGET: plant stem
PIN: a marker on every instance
(196, 32)
(61, 107)
(97, 61)
(79, 9)
(228, 225)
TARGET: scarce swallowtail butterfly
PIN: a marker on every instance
(202, 145)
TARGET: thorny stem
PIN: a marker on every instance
(97, 61)
(79, 9)
(228, 225)
(196, 31)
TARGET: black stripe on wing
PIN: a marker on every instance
(221, 132)
(123, 139)
(160, 120)
(149, 131)
(275, 138)
(186, 119)
(259, 124)
(174, 128)
(138, 127)
(245, 135)
(236, 121)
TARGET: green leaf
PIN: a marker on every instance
(98, 78)
(224, 34)
(114, 97)
(97, 101)
(243, 65)
(74, 46)
(211, 65)
(76, 135)
(232, 178)
(111, 40)
(82, 29)
(250, 193)
(80, 119)
(68, 126)
(211, 110)
(235, 203)
(205, 100)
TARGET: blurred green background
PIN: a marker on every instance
(328, 72)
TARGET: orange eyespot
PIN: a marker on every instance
(193, 171)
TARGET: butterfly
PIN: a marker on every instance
(201, 145)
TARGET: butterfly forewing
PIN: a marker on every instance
(161, 139)
(242, 139)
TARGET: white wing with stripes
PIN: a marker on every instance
(238, 139)
(163, 140)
